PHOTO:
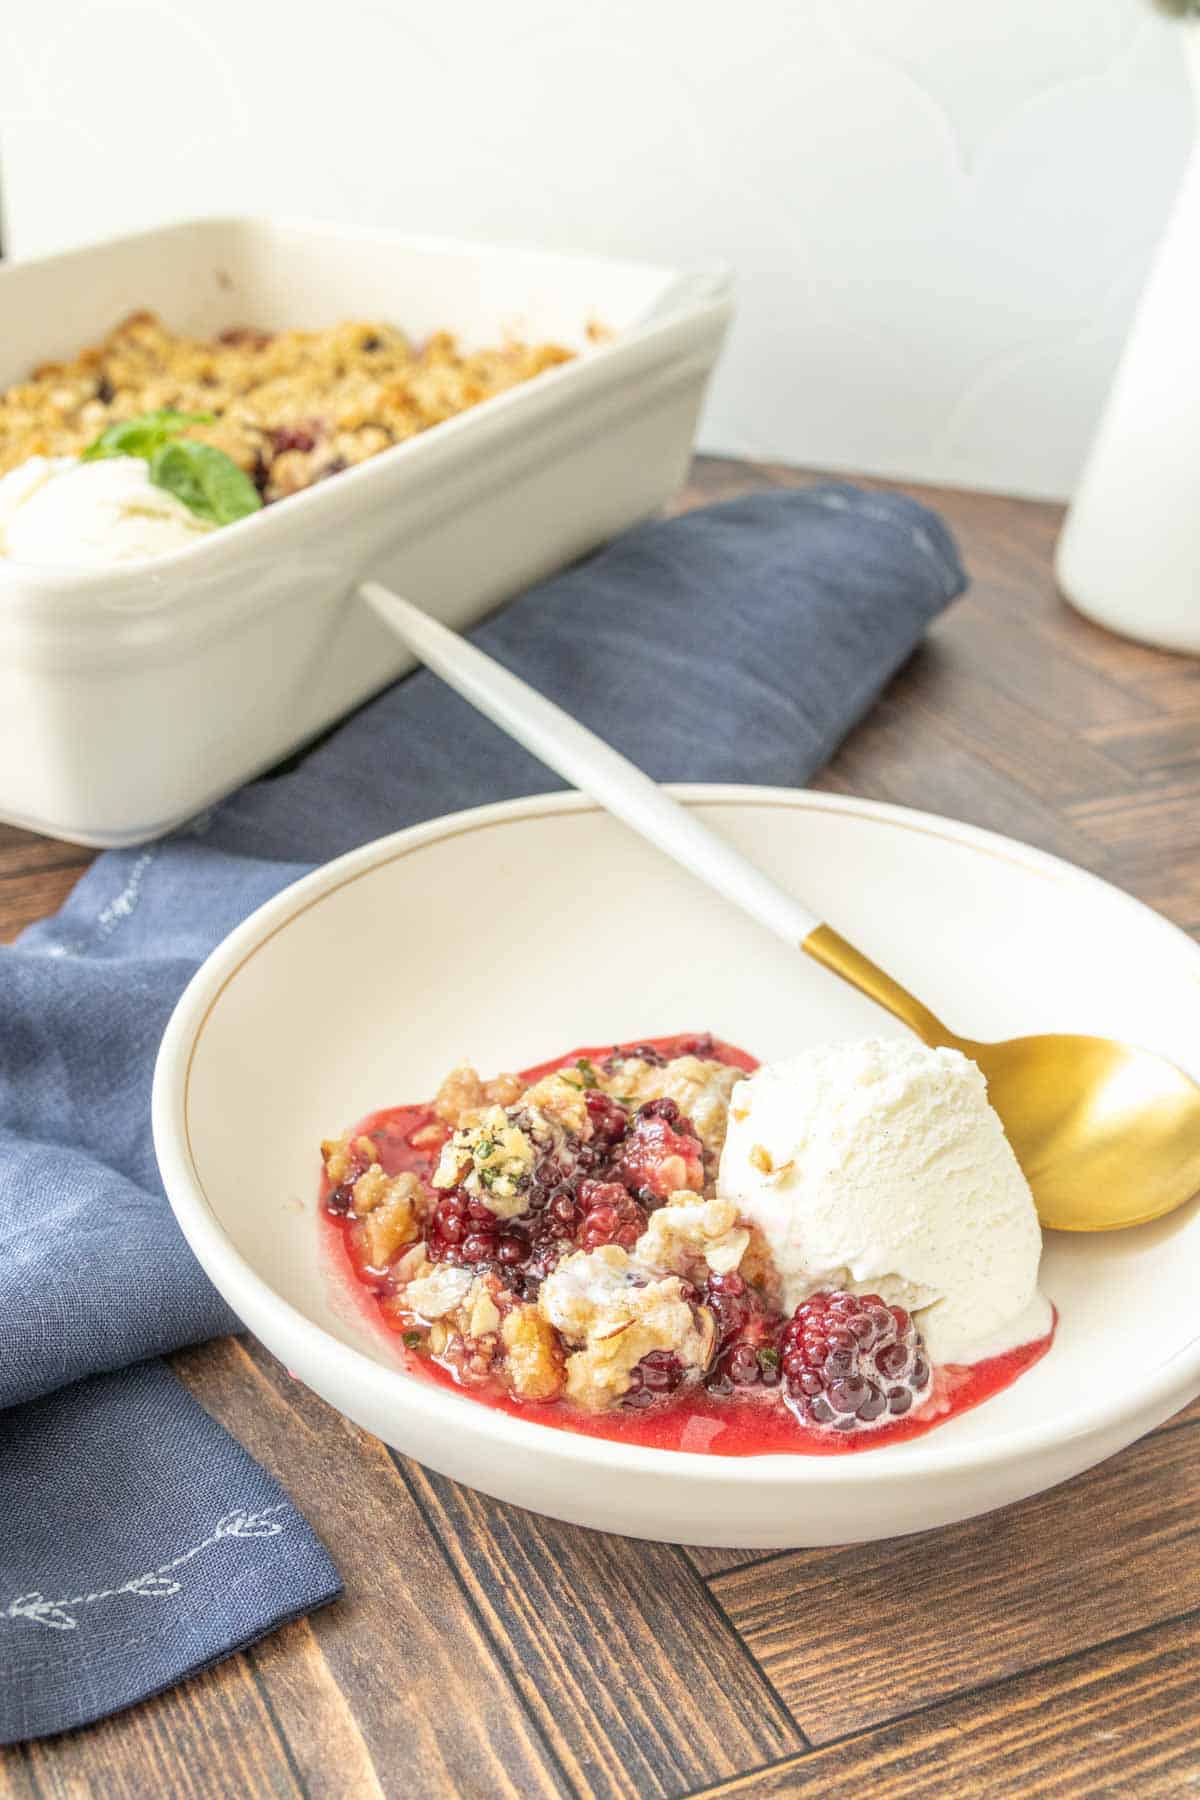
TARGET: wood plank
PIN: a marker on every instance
(1134, 665)
(324, 1739)
(1111, 1722)
(919, 1619)
(1161, 820)
(710, 1561)
(1149, 845)
(1165, 742)
(1176, 689)
(21, 850)
(209, 1738)
(996, 647)
(1049, 759)
(16, 1779)
(632, 1672)
(33, 894)
(901, 753)
(396, 1687)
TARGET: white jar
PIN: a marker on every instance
(1129, 553)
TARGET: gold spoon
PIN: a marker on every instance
(1107, 1135)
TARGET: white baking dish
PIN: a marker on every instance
(130, 699)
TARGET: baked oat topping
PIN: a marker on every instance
(289, 407)
(601, 1303)
(393, 1210)
(463, 1095)
(693, 1237)
(493, 1160)
(701, 1088)
(558, 1241)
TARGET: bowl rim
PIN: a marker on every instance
(252, 1297)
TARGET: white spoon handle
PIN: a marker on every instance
(590, 764)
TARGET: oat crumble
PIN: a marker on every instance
(562, 1228)
(291, 407)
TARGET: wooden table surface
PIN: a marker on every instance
(1052, 1648)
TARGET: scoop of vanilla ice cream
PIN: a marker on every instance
(880, 1166)
(57, 509)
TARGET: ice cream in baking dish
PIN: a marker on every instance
(57, 509)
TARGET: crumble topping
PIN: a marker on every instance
(462, 1096)
(533, 1355)
(566, 1230)
(692, 1237)
(346, 1157)
(482, 1331)
(602, 1303)
(291, 407)
(492, 1160)
(440, 1289)
(700, 1087)
(560, 1096)
(393, 1210)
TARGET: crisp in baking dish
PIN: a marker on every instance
(131, 698)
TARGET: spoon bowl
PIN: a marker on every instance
(1107, 1135)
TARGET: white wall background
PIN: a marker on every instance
(940, 210)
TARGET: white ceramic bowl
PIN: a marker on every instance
(130, 698)
(517, 931)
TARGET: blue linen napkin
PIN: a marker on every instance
(139, 1542)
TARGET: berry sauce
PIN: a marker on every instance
(753, 1423)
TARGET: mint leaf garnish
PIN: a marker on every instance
(143, 436)
(208, 482)
(205, 479)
